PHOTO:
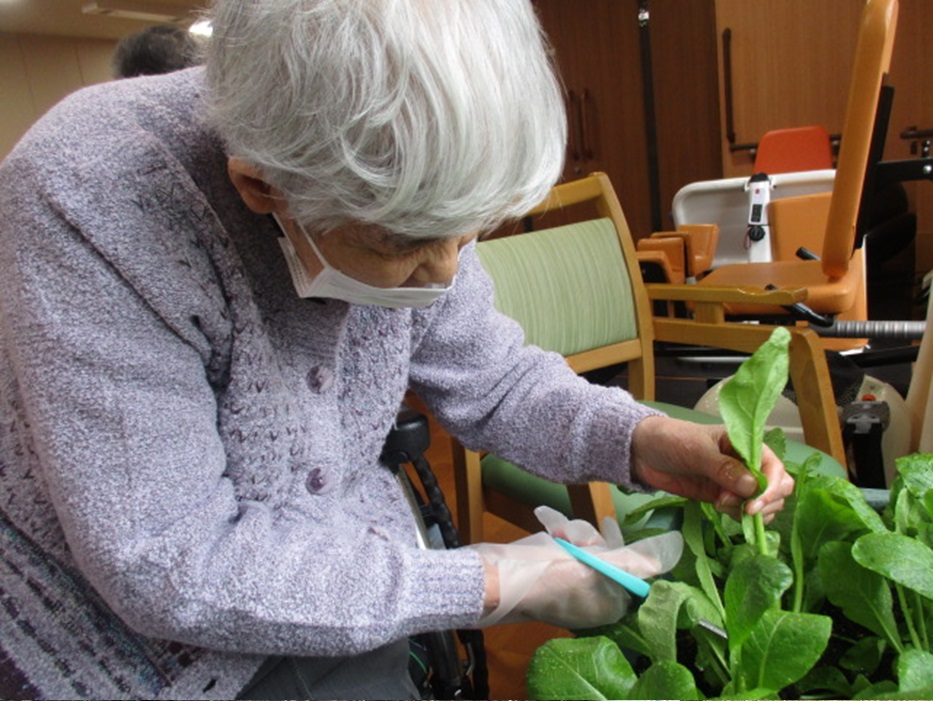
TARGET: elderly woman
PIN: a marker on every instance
(217, 286)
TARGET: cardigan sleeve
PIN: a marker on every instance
(494, 392)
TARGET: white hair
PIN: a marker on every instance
(428, 118)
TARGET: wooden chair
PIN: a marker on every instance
(576, 289)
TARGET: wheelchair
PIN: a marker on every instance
(451, 663)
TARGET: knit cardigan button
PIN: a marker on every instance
(316, 481)
(319, 379)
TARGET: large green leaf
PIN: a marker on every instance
(625, 633)
(830, 509)
(863, 595)
(754, 586)
(851, 496)
(657, 620)
(911, 497)
(579, 668)
(911, 516)
(673, 606)
(746, 400)
(781, 649)
(864, 656)
(899, 558)
(915, 670)
(917, 473)
(665, 680)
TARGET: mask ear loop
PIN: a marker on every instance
(317, 251)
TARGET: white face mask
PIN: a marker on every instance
(333, 284)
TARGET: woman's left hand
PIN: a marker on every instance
(697, 461)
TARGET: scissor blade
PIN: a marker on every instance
(713, 628)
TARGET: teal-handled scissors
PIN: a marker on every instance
(638, 587)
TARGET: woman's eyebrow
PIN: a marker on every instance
(405, 244)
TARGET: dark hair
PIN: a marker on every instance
(154, 50)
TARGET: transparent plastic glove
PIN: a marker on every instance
(539, 581)
(578, 531)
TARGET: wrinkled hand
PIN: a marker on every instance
(697, 461)
(537, 580)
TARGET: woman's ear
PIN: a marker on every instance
(258, 195)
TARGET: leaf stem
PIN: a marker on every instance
(908, 618)
(715, 520)
(760, 538)
(797, 561)
(719, 665)
(921, 621)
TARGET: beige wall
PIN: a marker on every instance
(36, 71)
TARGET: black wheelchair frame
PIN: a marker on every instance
(455, 671)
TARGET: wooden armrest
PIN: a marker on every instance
(708, 293)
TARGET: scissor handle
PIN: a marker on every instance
(636, 586)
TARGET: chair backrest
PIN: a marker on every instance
(872, 61)
(576, 289)
(794, 150)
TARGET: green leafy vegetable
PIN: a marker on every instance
(915, 670)
(863, 595)
(835, 600)
(754, 586)
(666, 679)
(899, 558)
(747, 400)
(781, 648)
(586, 668)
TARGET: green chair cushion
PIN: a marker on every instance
(568, 286)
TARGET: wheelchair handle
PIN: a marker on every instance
(804, 313)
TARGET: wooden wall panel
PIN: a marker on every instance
(683, 49)
(36, 71)
(912, 78)
(597, 50)
(791, 61)
(17, 112)
(599, 53)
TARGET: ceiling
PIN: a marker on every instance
(64, 17)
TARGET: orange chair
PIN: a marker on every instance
(793, 150)
(835, 281)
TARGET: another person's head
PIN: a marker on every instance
(155, 50)
(426, 119)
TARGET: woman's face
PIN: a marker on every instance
(367, 253)
(371, 255)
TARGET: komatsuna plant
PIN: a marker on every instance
(833, 600)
